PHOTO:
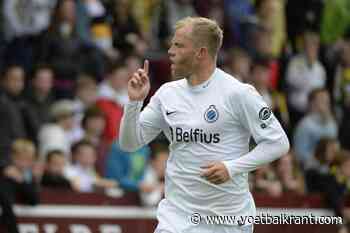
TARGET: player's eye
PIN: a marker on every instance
(178, 45)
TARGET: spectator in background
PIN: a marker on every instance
(154, 176)
(102, 36)
(260, 77)
(341, 89)
(39, 97)
(19, 177)
(26, 17)
(53, 176)
(169, 12)
(23, 21)
(86, 13)
(144, 13)
(61, 46)
(66, 50)
(238, 64)
(83, 172)
(335, 187)
(12, 124)
(300, 16)
(93, 124)
(96, 12)
(216, 12)
(260, 44)
(342, 95)
(112, 95)
(344, 132)
(318, 123)
(304, 73)
(261, 47)
(127, 36)
(266, 181)
(239, 14)
(270, 14)
(94, 8)
(114, 85)
(324, 158)
(128, 169)
(289, 174)
(55, 135)
(178, 9)
(85, 97)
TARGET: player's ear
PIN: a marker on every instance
(202, 51)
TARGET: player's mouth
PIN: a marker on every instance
(172, 64)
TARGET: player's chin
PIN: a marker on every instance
(175, 75)
(174, 78)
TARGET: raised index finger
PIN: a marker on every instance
(146, 66)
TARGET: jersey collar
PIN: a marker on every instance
(203, 86)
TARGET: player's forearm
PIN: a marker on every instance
(265, 152)
(129, 135)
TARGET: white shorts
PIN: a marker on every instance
(174, 220)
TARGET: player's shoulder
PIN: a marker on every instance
(234, 86)
(171, 85)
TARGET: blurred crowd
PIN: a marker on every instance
(64, 71)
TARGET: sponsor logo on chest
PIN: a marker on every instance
(196, 134)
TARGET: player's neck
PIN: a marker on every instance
(202, 74)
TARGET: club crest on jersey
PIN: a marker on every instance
(265, 113)
(211, 114)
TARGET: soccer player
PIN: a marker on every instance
(208, 117)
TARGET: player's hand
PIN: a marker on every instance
(215, 173)
(139, 84)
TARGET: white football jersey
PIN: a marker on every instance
(209, 122)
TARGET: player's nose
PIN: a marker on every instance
(171, 52)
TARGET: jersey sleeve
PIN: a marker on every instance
(256, 117)
(139, 128)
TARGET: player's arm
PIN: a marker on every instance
(250, 109)
(139, 128)
(271, 140)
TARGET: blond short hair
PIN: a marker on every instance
(23, 147)
(205, 32)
